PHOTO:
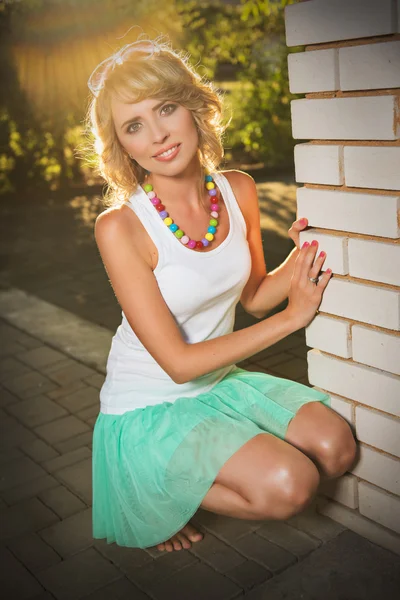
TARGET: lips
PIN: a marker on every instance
(165, 150)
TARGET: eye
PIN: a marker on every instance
(171, 108)
(129, 128)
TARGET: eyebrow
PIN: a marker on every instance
(137, 118)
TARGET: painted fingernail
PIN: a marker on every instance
(329, 271)
(305, 245)
(314, 243)
(322, 254)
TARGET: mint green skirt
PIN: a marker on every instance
(153, 466)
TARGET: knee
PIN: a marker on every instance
(338, 452)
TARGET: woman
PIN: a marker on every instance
(180, 425)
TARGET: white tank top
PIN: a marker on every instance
(201, 289)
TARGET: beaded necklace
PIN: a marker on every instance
(186, 241)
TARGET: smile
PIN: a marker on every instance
(168, 154)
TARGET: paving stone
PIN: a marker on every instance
(67, 459)
(78, 575)
(347, 567)
(321, 527)
(270, 361)
(291, 341)
(90, 413)
(26, 517)
(300, 351)
(80, 399)
(27, 382)
(122, 589)
(226, 528)
(40, 357)
(168, 565)
(37, 411)
(43, 388)
(292, 369)
(14, 434)
(19, 471)
(71, 373)
(12, 334)
(57, 366)
(125, 559)
(10, 367)
(39, 451)
(10, 349)
(62, 501)
(78, 478)
(8, 453)
(33, 552)
(196, 582)
(297, 542)
(16, 583)
(217, 554)
(248, 574)
(61, 429)
(64, 390)
(29, 489)
(6, 398)
(95, 380)
(270, 556)
(85, 439)
(70, 535)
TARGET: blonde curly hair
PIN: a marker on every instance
(167, 75)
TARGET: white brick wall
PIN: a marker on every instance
(378, 505)
(314, 21)
(378, 468)
(319, 163)
(330, 335)
(335, 247)
(343, 490)
(366, 385)
(378, 430)
(344, 408)
(372, 166)
(376, 261)
(370, 214)
(370, 66)
(316, 71)
(359, 118)
(375, 348)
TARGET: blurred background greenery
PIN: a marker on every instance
(48, 48)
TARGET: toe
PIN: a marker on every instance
(184, 541)
(176, 543)
(169, 547)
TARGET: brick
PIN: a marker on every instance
(89, 413)
(225, 528)
(370, 66)
(26, 517)
(343, 407)
(8, 453)
(78, 576)
(355, 212)
(37, 411)
(85, 439)
(342, 489)
(71, 373)
(95, 380)
(277, 359)
(319, 526)
(217, 554)
(155, 571)
(80, 399)
(78, 478)
(270, 556)
(65, 460)
(16, 581)
(355, 118)
(376, 349)
(126, 558)
(319, 163)
(372, 167)
(315, 71)
(378, 505)
(10, 349)
(366, 385)
(296, 542)
(6, 398)
(65, 390)
(11, 366)
(70, 535)
(40, 357)
(376, 261)
(13, 434)
(122, 589)
(367, 303)
(378, 468)
(33, 552)
(334, 246)
(29, 489)
(248, 575)
(317, 22)
(291, 369)
(199, 581)
(361, 525)
(39, 451)
(29, 381)
(378, 430)
(19, 471)
(330, 335)
(62, 502)
(61, 429)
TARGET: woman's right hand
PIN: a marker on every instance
(304, 295)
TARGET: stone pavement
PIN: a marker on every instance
(57, 317)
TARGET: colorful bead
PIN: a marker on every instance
(199, 244)
(155, 201)
(212, 192)
(215, 207)
(214, 214)
(213, 222)
(209, 237)
(151, 195)
(160, 207)
(174, 227)
(185, 239)
(208, 178)
(205, 242)
(191, 244)
(179, 233)
(211, 229)
(168, 221)
(210, 185)
(163, 214)
(148, 187)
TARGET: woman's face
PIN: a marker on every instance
(146, 129)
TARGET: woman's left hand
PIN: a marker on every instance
(295, 229)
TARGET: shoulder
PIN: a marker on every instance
(245, 191)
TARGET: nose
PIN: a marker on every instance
(159, 135)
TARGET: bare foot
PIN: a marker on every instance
(182, 539)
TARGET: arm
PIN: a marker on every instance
(138, 294)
